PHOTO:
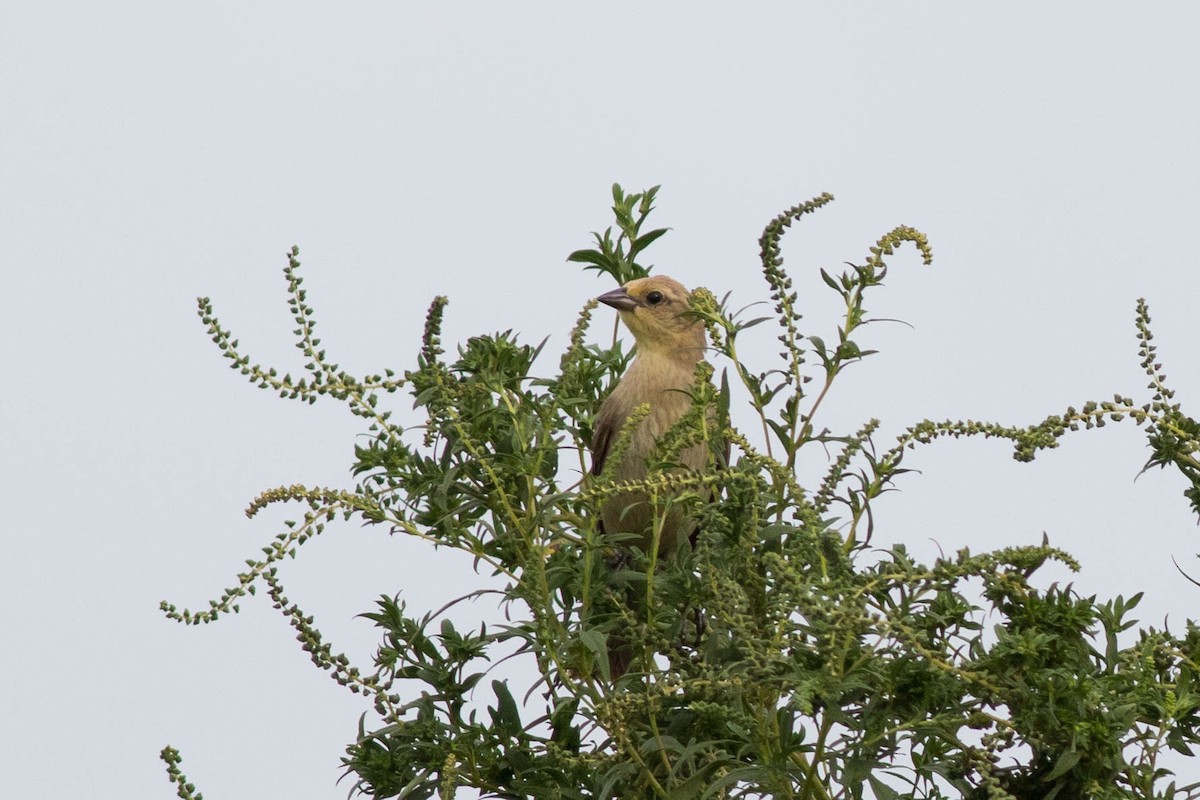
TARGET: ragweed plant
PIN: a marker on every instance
(780, 656)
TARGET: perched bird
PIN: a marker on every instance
(669, 346)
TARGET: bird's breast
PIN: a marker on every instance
(665, 386)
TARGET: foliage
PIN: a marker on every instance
(782, 656)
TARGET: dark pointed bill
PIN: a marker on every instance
(618, 299)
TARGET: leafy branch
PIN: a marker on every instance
(780, 656)
(617, 257)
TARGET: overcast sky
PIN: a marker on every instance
(153, 152)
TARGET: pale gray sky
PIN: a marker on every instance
(151, 152)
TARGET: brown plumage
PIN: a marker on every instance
(669, 346)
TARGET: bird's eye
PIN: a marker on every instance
(654, 298)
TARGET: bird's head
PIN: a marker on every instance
(653, 310)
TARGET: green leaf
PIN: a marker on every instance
(831, 281)
(594, 641)
(505, 716)
(646, 239)
(589, 257)
(882, 790)
(1066, 762)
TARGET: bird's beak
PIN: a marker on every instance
(618, 299)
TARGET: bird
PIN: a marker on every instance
(669, 345)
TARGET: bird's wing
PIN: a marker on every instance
(602, 437)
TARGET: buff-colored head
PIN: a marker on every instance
(653, 310)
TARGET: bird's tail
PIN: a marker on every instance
(620, 656)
